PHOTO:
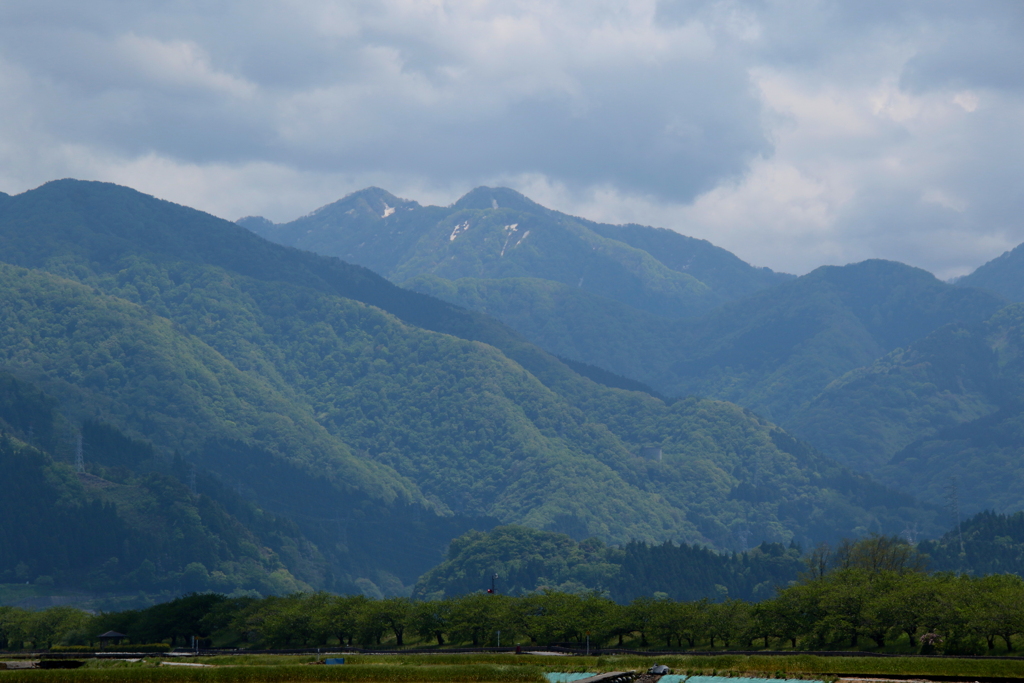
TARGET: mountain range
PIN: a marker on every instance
(215, 406)
(367, 424)
(875, 364)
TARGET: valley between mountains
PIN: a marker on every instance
(327, 403)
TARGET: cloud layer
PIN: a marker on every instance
(795, 134)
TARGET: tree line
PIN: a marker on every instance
(870, 594)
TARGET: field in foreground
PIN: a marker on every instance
(484, 668)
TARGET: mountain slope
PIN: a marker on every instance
(944, 411)
(498, 233)
(369, 238)
(776, 350)
(110, 359)
(990, 543)
(527, 560)
(772, 352)
(569, 322)
(431, 423)
(112, 529)
(721, 270)
(1003, 275)
(775, 344)
(865, 417)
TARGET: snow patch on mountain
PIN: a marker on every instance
(460, 228)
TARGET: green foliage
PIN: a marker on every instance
(146, 533)
(772, 352)
(526, 560)
(781, 347)
(530, 561)
(868, 415)
(278, 371)
(946, 408)
(992, 544)
(688, 573)
(869, 593)
(569, 322)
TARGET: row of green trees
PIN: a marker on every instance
(848, 608)
(873, 593)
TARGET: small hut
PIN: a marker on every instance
(111, 637)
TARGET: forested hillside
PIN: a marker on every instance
(874, 594)
(129, 522)
(1003, 275)
(772, 344)
(945, 411)
(496, 233)
(373, 417)
(987, 543)
(773, 352)
(528, 561)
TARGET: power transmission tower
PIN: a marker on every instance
(953, 504)
(79, 457)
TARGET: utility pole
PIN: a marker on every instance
(492, 590)
(79, 457)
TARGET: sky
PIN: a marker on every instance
(795, 134)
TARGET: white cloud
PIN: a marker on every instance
(967, 100)
(794, 135)
(177, 64)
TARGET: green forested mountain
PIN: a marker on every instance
(869, 414)
(773, 346)
(772, 352)
(127, 523)
(987, 543)
(498, 233)
(779, 348)
(527, 560)
(372, 417)
(570, 322)
(142, 534)
(1003, 275)
(946, 410)
(721, 270)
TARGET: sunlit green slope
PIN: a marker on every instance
(323, 392)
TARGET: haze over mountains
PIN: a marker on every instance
(873, 363)
(355, 416)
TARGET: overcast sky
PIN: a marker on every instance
(794, 134)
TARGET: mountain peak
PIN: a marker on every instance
(257, 224)
(878, 266)
(373, 200)
(497, 198)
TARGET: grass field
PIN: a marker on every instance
(503, 668)
(372, 673)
